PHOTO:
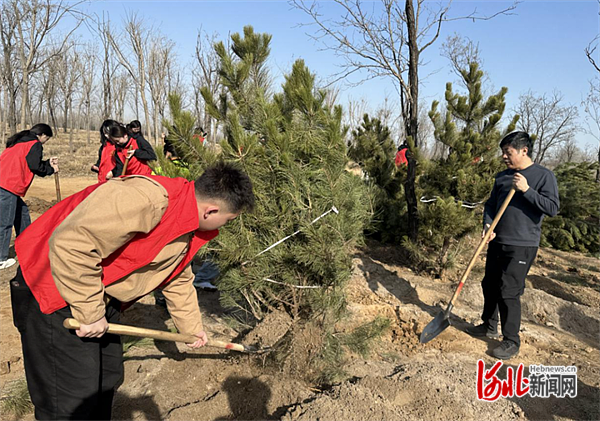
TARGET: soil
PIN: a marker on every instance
(401, 379)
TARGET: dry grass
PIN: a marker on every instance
(16, 400)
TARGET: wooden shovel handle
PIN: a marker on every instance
(57, 184)
(125, 166)
(119, 329)
(482, 244)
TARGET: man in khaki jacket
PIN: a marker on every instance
(111, 244)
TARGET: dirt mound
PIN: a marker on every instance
(416, 390)
(39, 206)
(269, 330)
(578, 320)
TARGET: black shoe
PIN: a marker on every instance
(160, 302)
(506, 350)
(482, 330)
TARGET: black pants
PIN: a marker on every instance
(505, 270)
(68, 377)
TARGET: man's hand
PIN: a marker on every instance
(520, 183)
(54, 163)
(94, 330)
(492, 235)
(130, 153)
(109, 175)
(202, 340)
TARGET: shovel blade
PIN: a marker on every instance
(435, 327)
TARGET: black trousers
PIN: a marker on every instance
(505, 270)
(68, 377)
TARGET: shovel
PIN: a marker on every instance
(57, 184)
(161, 335)
(125, 166)
(442, 320)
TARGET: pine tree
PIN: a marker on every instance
(469, 128)
(374, 150)
(291, 145)
(577, 226)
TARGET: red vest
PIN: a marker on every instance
(15, 175)
(108, 161)
(181, 217)
(401, 157)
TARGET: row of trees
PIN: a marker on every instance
(48, 74)
(51, 75)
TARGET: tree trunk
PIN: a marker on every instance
(441, 260)
(88, 121)
(412, 125)
(53, 119)
(598, 170)
(71, 146)
(24, 99)
(5, 124)
(65, 116)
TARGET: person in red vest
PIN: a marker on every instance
(117, 141)
(102, 248)
(401, 155)
(20, 161)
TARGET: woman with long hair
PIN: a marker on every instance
(119, 145)
(19, 163)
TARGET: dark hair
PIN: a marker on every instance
(168, 147)
(103, 126)
(518, 141)
(111, 128)
(135, 124)
(37, 130)
(226, 182)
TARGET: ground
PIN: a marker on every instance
(401, 379)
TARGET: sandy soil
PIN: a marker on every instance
(402, 379)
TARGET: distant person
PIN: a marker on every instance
(199, 135)
(104, 247)
(19, 162)
(401, 155)
(103, 140)
(116, 151)
(514, 244)
(135, 130)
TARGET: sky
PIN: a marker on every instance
(538, 48)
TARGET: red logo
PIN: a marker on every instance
(490, 387)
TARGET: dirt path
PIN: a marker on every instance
(402, 379)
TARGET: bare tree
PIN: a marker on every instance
(206, 74)
(35, 21)
(590, 50)
(131, 49)
(121, 83)
(109, 65)
(88, 67)
(160, 59)
(387, 41)
(592, 120)
(10, 83)
(592, 101)
(548, 120)
(69, 76)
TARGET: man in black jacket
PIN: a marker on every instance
(514, 244)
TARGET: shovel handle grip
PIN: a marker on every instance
(119, 329)
(126, 164)
(57, 185)
(482, 244)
